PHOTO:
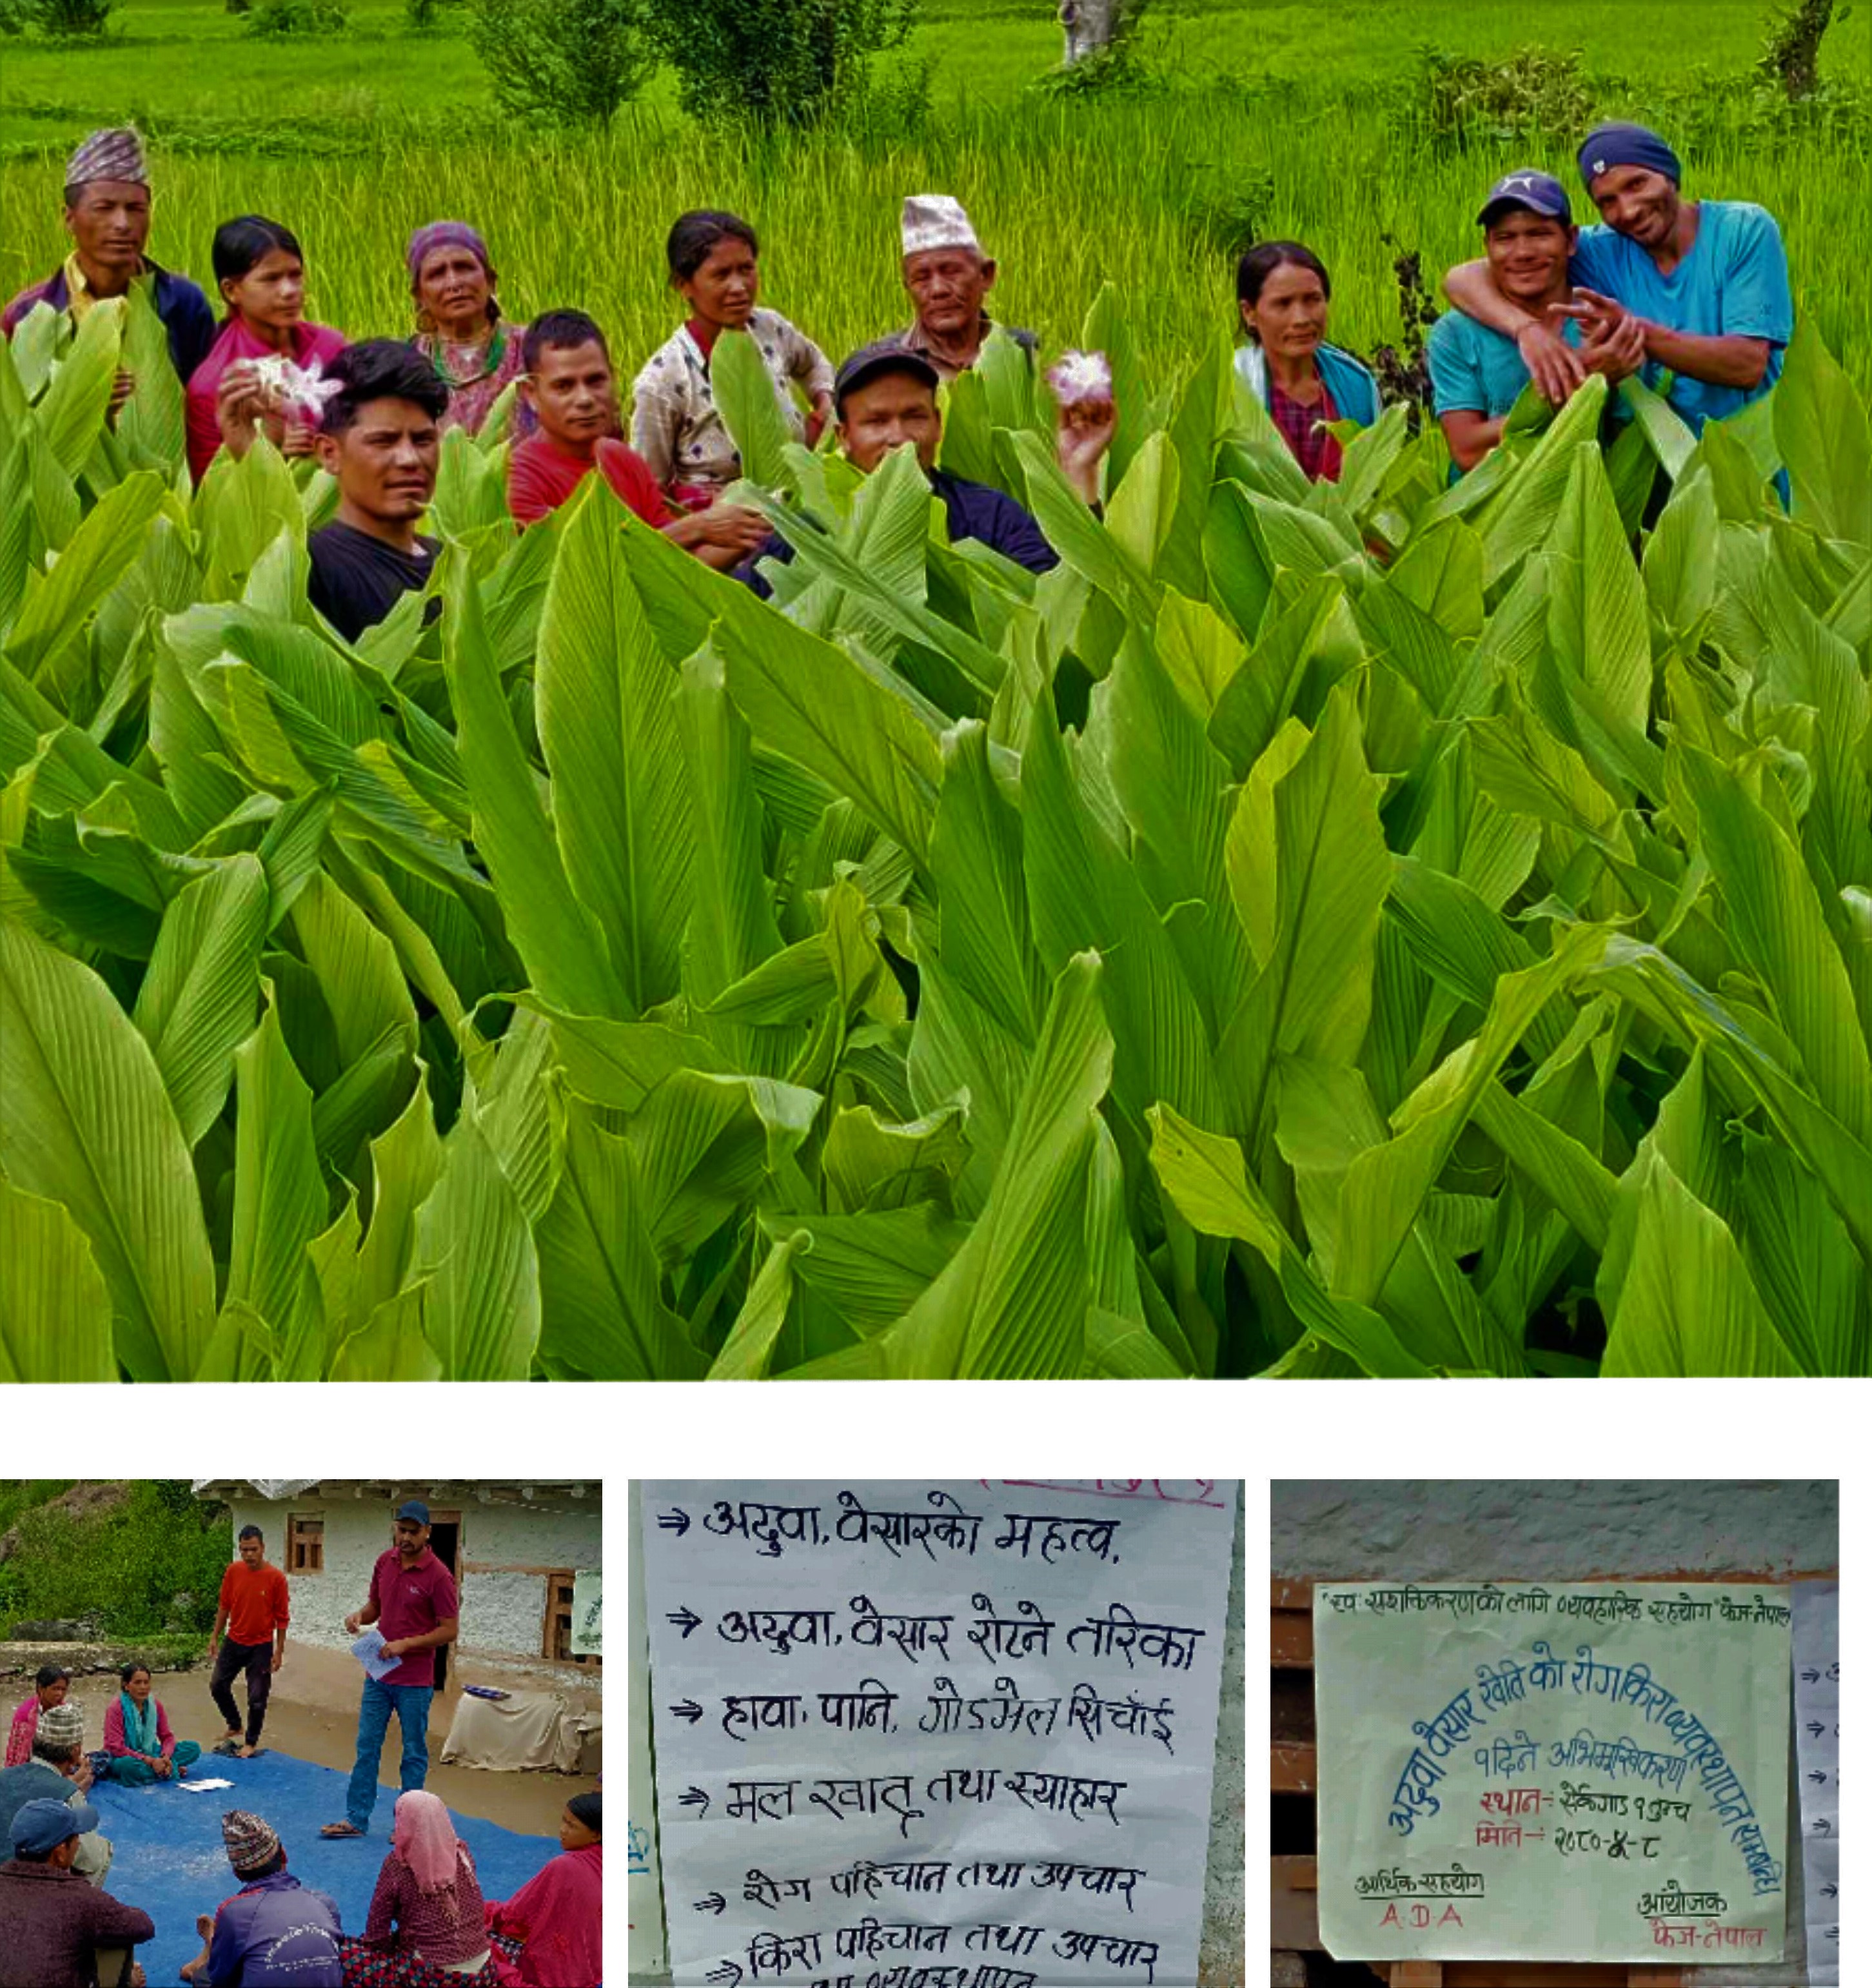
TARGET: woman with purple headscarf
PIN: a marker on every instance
(459, 328)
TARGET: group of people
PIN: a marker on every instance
(1692, 295)
(428, 1925)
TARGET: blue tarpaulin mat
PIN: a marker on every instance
(171, 1861)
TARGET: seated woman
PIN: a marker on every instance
(262, 276)
(1284, 293)
(49, 1687)
(459, 328)
(550, 1934)
(139, 1747)
(428, 1924)
(714, 262)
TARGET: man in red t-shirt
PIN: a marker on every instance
(569, 385)
(412, 1601)
(254, 1610)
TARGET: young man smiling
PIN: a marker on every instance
(379, 438)
(1477, 374)
(1705, 282)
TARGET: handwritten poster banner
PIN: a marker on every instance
(1572, 1772)
(1816, 1753)
(920, 1735)
(647, 1952)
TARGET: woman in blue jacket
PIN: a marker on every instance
(1286, 295)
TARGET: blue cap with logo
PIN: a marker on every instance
(414, 1508)
(1539, 193)
(38, 1827)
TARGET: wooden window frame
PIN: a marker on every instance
(556, 1617)
(314, 1542)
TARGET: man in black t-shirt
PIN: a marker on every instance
(379, 438)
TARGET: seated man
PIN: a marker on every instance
(1705, 282)
(55, 1930)
(274, 1933)
(1476, 375)
(571, 389)
(380, 438)
(108, 216)
(948, 278)
(885, 395)
(58, 1771)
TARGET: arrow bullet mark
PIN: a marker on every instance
(694, 1798)
(714, 1903)
(728, 1976)
(1817, 1778)
(688, 1709)
(675, 1520)
(684, 1619)
(1815, 1729)
(1810, 1677)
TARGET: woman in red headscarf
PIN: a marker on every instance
(426, 1927)
(550, 1934)
(459, 328)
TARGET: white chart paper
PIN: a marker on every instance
(954, 1735)
(1571, 1772)
(1816, 1751)
(369, 1651)
(646, 1952)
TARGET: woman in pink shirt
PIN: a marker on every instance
(426, 1927)
(139, 1747)
(261, 272)
(550, 1933)
(49, 1689)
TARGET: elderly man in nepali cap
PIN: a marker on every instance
(948, 277)
(108, 216)
(1705, 282)
(274, 1933)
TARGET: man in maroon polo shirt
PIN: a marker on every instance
(413, 1602)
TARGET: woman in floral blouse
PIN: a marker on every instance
(714, 261)
(460, 330)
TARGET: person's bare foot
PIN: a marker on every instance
(246, 1753)
(232, 1733)
(204, 1924)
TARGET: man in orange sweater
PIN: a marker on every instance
(254, 1611)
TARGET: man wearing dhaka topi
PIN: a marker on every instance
(108, 216)
(948, 275)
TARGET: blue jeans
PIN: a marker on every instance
(410, 1704)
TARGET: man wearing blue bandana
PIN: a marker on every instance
(1705, 283)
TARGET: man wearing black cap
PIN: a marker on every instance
(1705, 282)
(413, 1599)
(885, 395)
(1476, 375)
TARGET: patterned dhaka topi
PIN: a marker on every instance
(62, 1725)
(936, 221)
(109, 155)
(251, 1843)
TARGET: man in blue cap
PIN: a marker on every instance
(413, 1601)
(1706, 281)
(1476, 375)
(55, 1930)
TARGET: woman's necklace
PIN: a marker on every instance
(496, 351)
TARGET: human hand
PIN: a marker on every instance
(352, 1624)
(736, 528)
(818, 418)
(279, 1657)
(85, 1775)
(1552, 364)
(241, 404)
(299, 436)
(394, 1649)
(163, 1768)
(122, 386)
(137, 1978)
(1085, 433)
(1618, 352)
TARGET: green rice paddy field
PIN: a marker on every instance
(1300, 119)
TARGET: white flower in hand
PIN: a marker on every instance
(294, 389)
(1080, 376)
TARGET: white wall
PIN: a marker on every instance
(502, 1611)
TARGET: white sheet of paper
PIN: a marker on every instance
(647, 1954)
(369, 1651)
(1816, 1751)
(203, 1787)
(962, 1733)
(1573, 1772)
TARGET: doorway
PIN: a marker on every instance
(445, 1543)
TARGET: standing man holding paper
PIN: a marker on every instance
(413, 1602)
(254, 1610)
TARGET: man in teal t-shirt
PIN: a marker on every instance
(1705, 283)
(1476, 375)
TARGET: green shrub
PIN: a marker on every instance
(574, 63)
(287, 20)
(775, 63)
(1459, 101)
(72, 20)
(125, 1567)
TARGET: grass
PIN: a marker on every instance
(1274, 119)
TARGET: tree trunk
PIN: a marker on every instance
(1090, 26)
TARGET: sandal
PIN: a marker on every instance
(339, 1829)
(229, 1747)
